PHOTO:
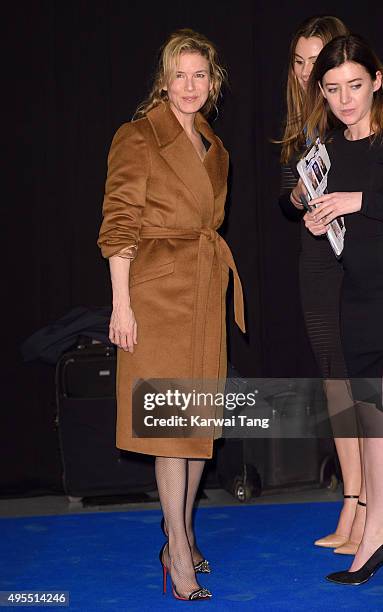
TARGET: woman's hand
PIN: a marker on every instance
(315, 227)
(332, 205)
(123, 328)
(298, 190)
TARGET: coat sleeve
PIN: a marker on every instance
(125, 193)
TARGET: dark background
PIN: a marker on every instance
(74, 71)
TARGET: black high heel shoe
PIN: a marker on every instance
(196, 595)
(202, 567)
(361, 575)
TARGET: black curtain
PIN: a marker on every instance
(74, 71)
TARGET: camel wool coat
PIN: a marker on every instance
(160, 196)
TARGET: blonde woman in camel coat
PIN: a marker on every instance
(164, 201)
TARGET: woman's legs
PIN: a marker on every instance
(360, 515)
(340, 407)
(194, 473)
(348, 450)
(372, 423)
(195, 469)
(351, 546)
(171, 475)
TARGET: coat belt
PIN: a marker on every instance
(210, 244)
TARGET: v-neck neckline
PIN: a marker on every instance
(206, 144)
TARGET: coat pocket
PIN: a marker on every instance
(151, 273)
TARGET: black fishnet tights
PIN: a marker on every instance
(177, 483)
(195, 469)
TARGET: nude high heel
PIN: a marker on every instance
(350, 547)
(334, 540)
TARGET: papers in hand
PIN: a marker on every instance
(313, 169)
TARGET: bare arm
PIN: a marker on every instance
(123, 325)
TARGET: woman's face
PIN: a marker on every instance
(349, 91)
(189, 86)
(306, 52)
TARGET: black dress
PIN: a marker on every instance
(358, 166)
(320, 275)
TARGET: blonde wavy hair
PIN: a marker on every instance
(183, 41)
(325, 27)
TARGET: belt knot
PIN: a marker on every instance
(209, 233)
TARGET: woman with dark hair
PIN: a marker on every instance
(320, 280)
(164, 201)
(346, 88)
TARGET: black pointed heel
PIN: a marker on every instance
(202, 567)
(363, 574)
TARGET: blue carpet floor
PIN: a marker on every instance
(262, 559)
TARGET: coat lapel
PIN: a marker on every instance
(203, 180)
(217, 160)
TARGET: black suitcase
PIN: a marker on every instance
(248, 466)
(86, 421)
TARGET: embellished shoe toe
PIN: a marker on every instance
(202, 567)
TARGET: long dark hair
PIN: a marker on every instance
(351, 48)
(325, 27)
